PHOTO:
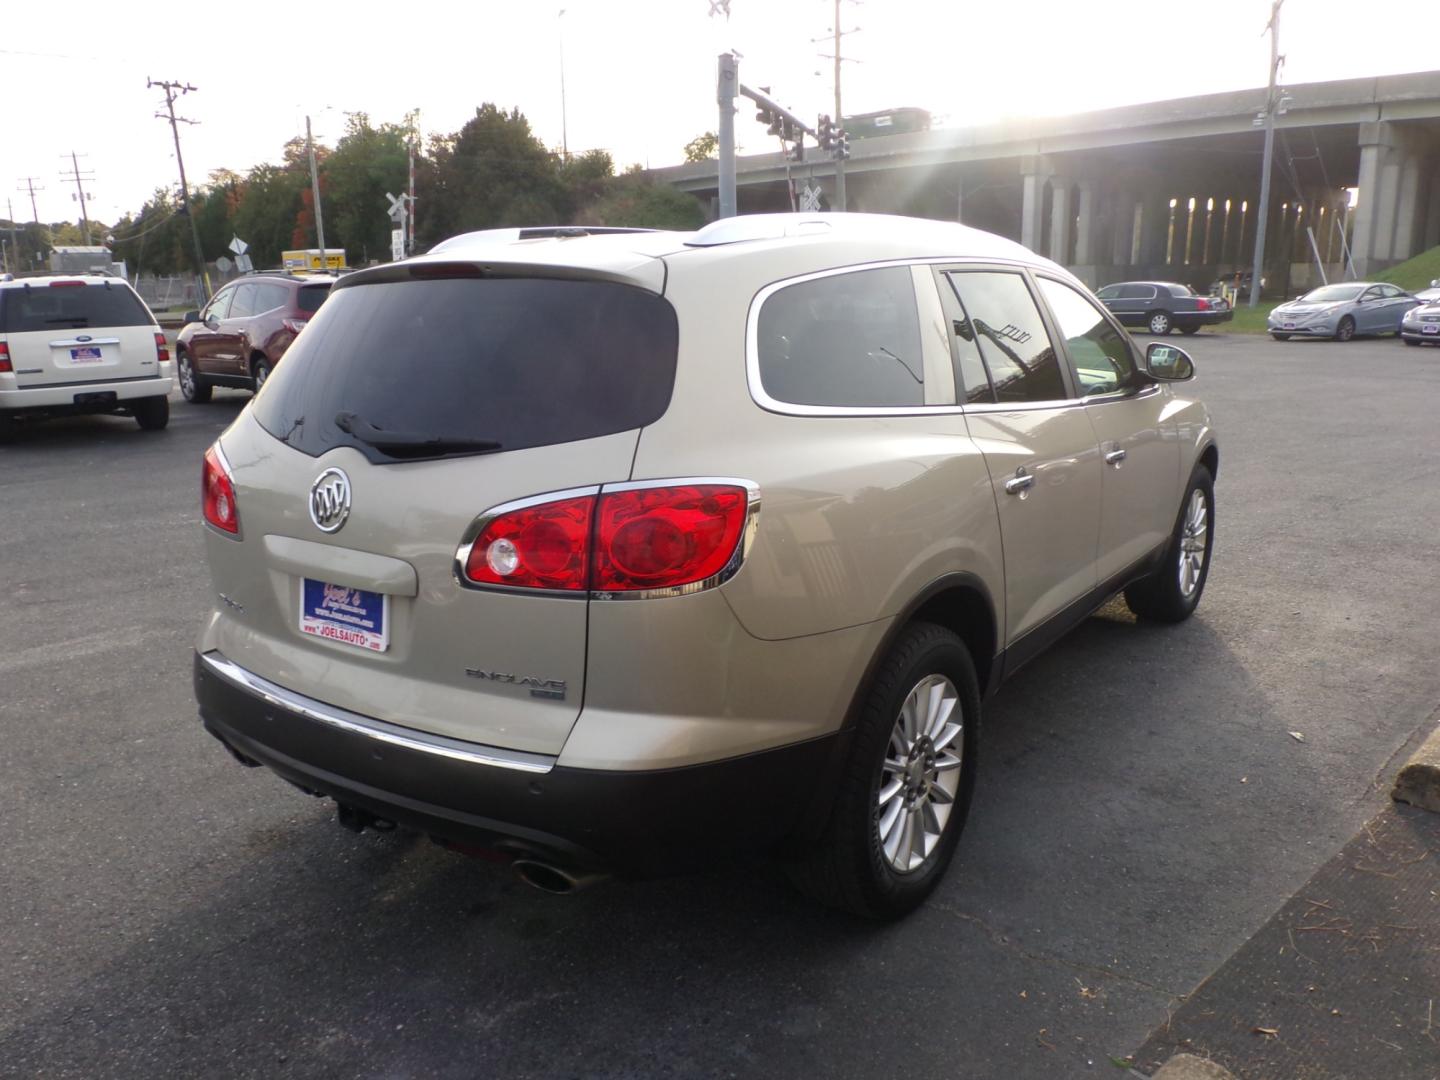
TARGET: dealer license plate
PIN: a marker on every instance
(350, 616)
(1289, 326)
(1433, 328)
(86, 354)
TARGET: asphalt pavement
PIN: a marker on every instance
(1148, 799)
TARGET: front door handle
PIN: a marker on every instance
(1020, 483)
(1114, 457)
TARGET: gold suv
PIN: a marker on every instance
(619, 551)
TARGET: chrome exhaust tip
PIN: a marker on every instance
(552, 879)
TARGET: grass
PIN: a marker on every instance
(1248, 320)
(1416, 273)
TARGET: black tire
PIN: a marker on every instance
(848, 868)
(260, 371)
(1281, 337)
(152, 413)
(1160, 597)
(1159, 322)
(193, 387)
(1345, 329)
(1187, 330)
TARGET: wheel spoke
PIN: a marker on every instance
(887, 825)
(946, 735)
(889, 791)
(947, 763)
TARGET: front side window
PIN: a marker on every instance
(1001, 319)
(847, 340)
(1101, 354)
(219, 305)
(1109, 292)
(243, 305)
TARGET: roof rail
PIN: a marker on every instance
(534, 232)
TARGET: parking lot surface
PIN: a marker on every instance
(1148, 799)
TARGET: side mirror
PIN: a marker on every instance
(212, 323)
(1168, 363)
(191, 316)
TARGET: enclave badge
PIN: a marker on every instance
(538, 687)
(330, 500)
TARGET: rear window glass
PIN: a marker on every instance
(310, 297)
(522, 362)
(70, 307)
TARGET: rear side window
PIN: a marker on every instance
(270, 297)
(1001, 319)
(310, 297)
(70, 307)
(843, 340)
(522, 362)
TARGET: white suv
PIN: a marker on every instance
(80, 343)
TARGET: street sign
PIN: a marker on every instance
(810, 198)
(397, 244)
(397, 207)
(243, 264)
(238, 246)
(223, 264)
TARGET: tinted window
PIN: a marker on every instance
(521, 361)
(70, 307)
(1181, 290)
(310, 297)
(1003, 321)
(219, 305)
(1137, 292)
(1101, 354)
(270, 297)
(847, 340)
(244, 303)
(1109, 292)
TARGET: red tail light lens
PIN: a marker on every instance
(630, 540)
(664, 537)
(67, 284)
(535, 547)
(1202, 304)
(5, 357)
(218, 494)
(162, 349)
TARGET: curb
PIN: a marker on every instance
(1418, 783)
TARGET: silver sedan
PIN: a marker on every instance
(1342, 311)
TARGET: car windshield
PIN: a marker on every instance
(1329, 294)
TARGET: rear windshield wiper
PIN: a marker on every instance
(409, 443)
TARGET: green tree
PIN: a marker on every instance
(268, 210)
(702, 147)
(367, 162)
(636, 200)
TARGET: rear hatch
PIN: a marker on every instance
(77, 330)
(561, 374)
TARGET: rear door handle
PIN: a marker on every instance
(1114, 457)
(1021, 482)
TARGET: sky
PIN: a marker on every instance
(639, 75)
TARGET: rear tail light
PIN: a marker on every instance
(162, 349)
(632, 539)
(67, 284)
(5, 357)
(218, 493)
(295, 325)
(1202, 304)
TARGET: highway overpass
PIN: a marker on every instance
(1166, 189)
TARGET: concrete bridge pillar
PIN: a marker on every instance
(1087, 220)
(1034, 172)
(1062, 218)
(1381, 165)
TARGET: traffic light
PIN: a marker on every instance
(825, 132)
(842, 144)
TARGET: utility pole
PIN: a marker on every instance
(172, 91)
(11, 263)
(29, 182)
(315, 196)
(726, 83)
(76, 175)
(1264, 209)
(839, 118)
(564, 128)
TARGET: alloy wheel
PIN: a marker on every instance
(1193, 537)
(920, 777)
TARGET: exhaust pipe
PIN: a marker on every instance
(553, 879)
(357, 820)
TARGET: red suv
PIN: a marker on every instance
(241, 334)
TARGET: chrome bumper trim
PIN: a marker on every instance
(379, 730)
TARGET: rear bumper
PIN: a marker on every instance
(640, 823)
(1204, 318)
(83, 397)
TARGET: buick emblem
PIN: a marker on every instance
(330, 500)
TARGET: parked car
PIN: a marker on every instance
(1429, 295)
(622, 552)
(1422, 324)
(80, 343)
(1342, 311)
(1162, 306)
(244, 331)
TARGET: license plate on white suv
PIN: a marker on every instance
(350, 616)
